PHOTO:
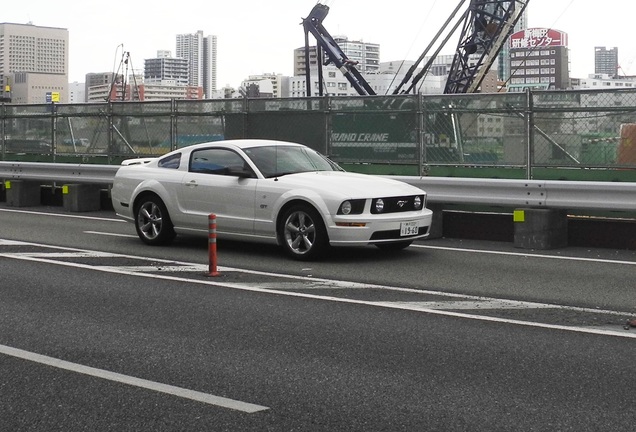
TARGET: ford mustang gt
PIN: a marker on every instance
(270, 191)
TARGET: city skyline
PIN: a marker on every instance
(254, 40)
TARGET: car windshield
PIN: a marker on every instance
(276, 161)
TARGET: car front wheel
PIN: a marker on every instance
(153, 222)
(302, 232)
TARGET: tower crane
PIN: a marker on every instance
(485, 27)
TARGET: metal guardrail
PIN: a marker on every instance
(555, 194)
(571, 195)
(58, 172)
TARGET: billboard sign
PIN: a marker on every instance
(374, 137)
(538, 38)
(52, 97)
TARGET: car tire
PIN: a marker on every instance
(396, 246)
(302, 233)
(152, 221)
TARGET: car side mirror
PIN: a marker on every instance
(240, 172)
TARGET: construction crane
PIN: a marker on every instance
(325, 42)
(485, 27)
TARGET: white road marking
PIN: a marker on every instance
(199, 268)
(61, 215)
(411, 306)
(477, 305)
(527, 255)
(110, 234)
(5, 242)
(84, 254)
(133, 381)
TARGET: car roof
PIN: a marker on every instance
(246, 143)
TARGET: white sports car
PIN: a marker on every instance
(267, 191)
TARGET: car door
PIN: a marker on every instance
(217, 182)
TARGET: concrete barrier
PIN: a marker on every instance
(20, 193)
(540, 228)
(81, 197)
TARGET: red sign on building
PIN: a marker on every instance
(538, 38)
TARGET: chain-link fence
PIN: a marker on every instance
(407, 134)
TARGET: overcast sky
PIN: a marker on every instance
(256, 37)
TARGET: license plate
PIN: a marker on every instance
(408, 229)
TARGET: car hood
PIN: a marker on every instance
(349, 185)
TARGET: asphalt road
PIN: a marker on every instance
(99, 332)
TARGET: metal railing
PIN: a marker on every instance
(590, 135)
(58, 172)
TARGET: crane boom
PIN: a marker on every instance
(313, 24)
(486, 26)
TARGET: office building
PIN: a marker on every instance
(34, 63)
(366, 54)
(606, 61)
(603, 82)
(138, 91)
(99, 79)
(334, 83)
(272, 84)
(165, 69)
(201, 53)
(539, 60)
(76, 92)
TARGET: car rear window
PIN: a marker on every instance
(172, 161)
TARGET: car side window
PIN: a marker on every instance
(172, 161)
(216, 161)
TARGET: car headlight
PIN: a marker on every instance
(345, 208)
(379, 205)
(417, 202)
(348, 207)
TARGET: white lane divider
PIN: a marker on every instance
(477, 305)
(451, 307)
(133, 381)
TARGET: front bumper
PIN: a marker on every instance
(386, 228)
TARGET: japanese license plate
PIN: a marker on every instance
(408, 229)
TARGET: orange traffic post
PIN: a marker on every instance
(212, 245)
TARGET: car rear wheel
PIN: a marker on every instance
(152, 222)
(302, 232)
(394, 246)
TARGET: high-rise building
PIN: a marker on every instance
(34, 62)
(504, 70)
(606, 61)
(200, 52)
(209, 65)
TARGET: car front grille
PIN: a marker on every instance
(396, 204)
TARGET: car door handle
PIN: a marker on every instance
(192, 183)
